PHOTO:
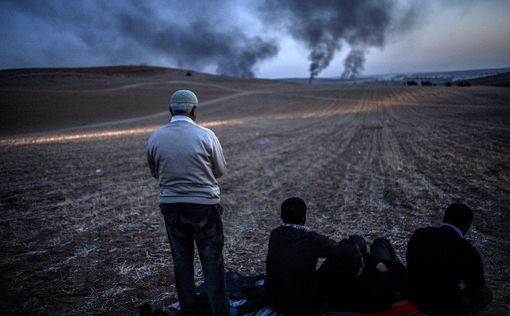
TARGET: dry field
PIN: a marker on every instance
(368, 160)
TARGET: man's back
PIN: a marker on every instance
(291, 282)
(187, 159)
(438, 260)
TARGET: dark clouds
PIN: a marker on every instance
(324, 25)
(195, 34)
(227, 36)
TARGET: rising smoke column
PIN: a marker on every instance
(354, 64)
(321, 54)
(323, 25)
(194, 34)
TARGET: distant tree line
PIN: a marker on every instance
(462, 83)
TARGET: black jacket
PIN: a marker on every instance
(438, 260)
(291, 281)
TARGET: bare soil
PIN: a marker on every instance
(376, 161)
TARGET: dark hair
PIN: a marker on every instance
(293, 211)
(346, 259)
(361, 243)
(180, 112)
(459, 215)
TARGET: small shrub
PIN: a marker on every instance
(464, 84)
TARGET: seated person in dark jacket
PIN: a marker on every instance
(439, 260)
(354, 280)
(293, 252)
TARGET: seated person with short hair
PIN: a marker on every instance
(354, 280)
(293, 252)
(439, 259)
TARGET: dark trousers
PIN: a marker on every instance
(381, 248)
(187, 224)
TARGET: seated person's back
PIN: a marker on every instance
(439, 259)
(293, 252)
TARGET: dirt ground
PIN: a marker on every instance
(80, 227)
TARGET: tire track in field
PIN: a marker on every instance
(451, 159)
(387, 176)
(354, 174)
(273, 159)
(287, 159)
(446, 154)
(462, 138)
(363, 183)
(414, 135)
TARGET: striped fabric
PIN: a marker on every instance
(267, 311)
(404, 308)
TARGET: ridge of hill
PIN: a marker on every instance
(45, 99)
(91, 70)
(499, 80)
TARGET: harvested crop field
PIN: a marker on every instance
(80, 227)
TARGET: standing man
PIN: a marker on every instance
(187, 159)
(445, 274)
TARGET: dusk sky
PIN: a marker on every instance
(268, 39)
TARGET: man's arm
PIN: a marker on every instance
(473, 272)
(414, 246)
(218, 160)
(324, 246)
(151, 161)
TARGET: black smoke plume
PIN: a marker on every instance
(354, 64)
(324, 25)
(194, 34)
(321, 55)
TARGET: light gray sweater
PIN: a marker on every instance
(187, 159)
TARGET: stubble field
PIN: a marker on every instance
(80, 227)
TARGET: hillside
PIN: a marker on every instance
(499, 80)
(37, 100)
